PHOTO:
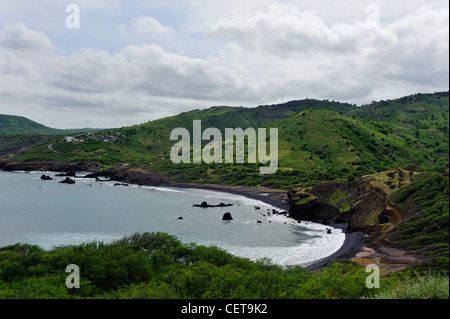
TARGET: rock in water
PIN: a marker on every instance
(68, 181)
(222, 205)
(227, 216)
(121, 184)
(46, 178)
(205, 205)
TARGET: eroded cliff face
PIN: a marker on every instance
(361, 203)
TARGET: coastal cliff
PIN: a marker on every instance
(361, 203)
(53, 166)
(370, 205)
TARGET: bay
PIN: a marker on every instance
(51, 214)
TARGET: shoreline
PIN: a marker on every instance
(353, 243)
(276, 198)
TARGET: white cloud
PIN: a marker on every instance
(144, 26)
(138, 80)
(248, 54)
(283, 30)
(19, 38)
(342, 61)
(279, 29)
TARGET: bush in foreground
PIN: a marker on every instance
(159, 266)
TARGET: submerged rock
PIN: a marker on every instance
(46, 178)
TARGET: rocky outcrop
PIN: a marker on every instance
(206, 205)
(361, 203)
(312, 209)
(363, 207)
(131, 175)
(46, 178)
(68, 180)
(227, 216)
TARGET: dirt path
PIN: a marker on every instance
(387, 258)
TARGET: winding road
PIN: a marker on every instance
(50, 147)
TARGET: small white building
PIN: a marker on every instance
(70, 139)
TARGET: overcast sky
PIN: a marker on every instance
(134, 61)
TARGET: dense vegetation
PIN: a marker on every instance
(157, 265)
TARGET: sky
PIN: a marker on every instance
(114, 63)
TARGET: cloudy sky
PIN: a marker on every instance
(134, 61)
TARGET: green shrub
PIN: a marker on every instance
(425, 286)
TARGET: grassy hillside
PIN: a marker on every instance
(318, 141)
(325, 142)
(425, 225)
(10, 124)
(12, 144)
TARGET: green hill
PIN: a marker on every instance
(11, 124)
(318, 141)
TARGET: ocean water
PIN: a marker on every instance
(50, 214)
